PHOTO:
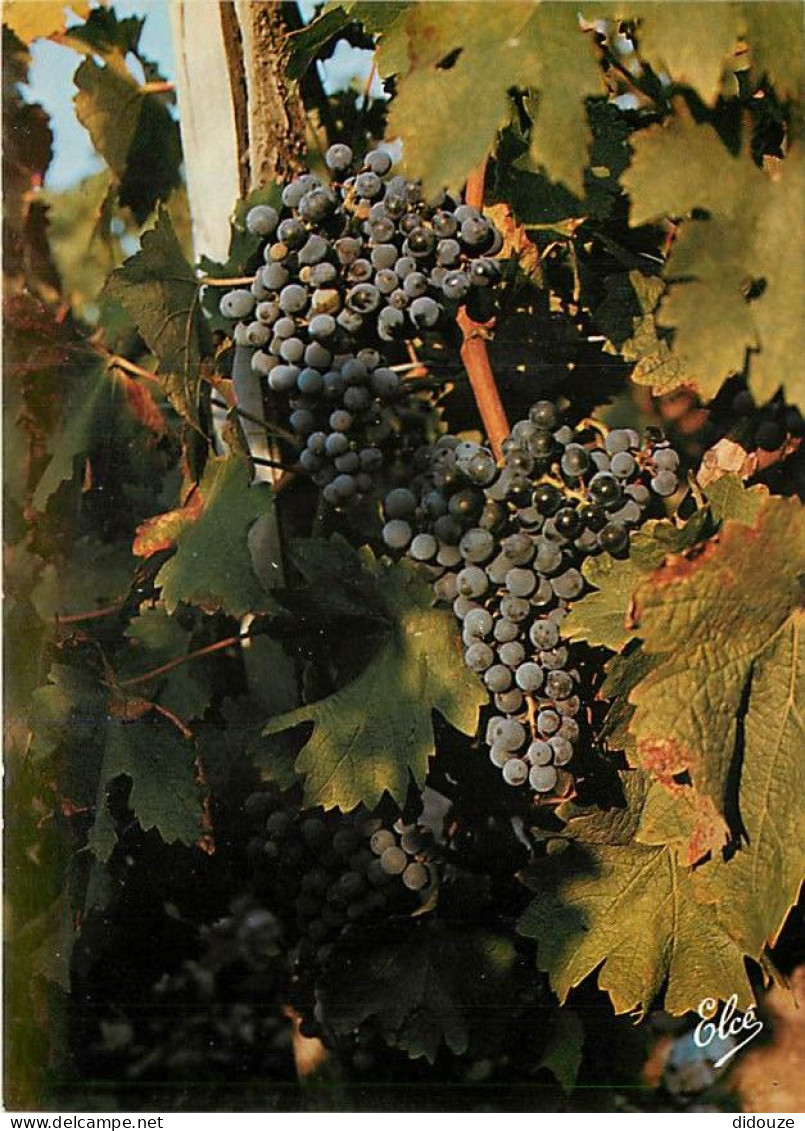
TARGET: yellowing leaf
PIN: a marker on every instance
(752, 237)
(711, 616)
(755, 888)
(37, 19)
(691, 44)
(449, 51)
(630, 912)
(376, 734)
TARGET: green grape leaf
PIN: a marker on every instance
(631, 912)
(424, 988)
(212, 566)
(627, 316)
(752, 235)
(86, 397)
(156, 639)
(164, 795)
(709, 616)
(729, 498)
(95, 576)
(562, 1055)
(371, 736)
(602, 616)
(158, 289)
(448, 50)
(692, 45)
(94, 736)
(134, 133)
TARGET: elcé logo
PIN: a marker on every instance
(729, 1023)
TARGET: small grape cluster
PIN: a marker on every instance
(333, 871)
(505, 545)
(219, 1016)
(360, 259)
(354, 420)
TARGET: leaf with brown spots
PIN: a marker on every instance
(709, 616)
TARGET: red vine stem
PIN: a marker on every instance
(474, 353)
(219, 645)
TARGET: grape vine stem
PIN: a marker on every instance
(474, 353)
(218, 646)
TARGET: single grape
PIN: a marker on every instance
(393, 861)
(397, 534)
(543, 634)
(548, 722)
(575, 461)
(236, 304)
(521, 582)
(511, 654)
(479, 656)
(542, 778)
(472, 581)
(562, 750)
(478, 623)
(539, 753)
(665, 483)
(381, 840)
(515, 772)
(558, 685)
(416, 876)
(262, 220)
(505, 630)
(666, 459)
(529, 677)
(568, 585)
(498, 678)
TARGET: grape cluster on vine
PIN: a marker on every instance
(504, 546)
(332, 871)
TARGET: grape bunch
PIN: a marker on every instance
(220, 1016)
(356, 260)
(354, 419)
(333, 871)
(505, 547)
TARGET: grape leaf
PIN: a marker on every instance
(94, 576)
(44, 18)
(164, 793)
(132, 129)
(562, 1055)
(158, 289)
(156, 639)
(629, 911)
(372, 735)
(448, 51)
(753, 233)
(104, 736)
(84, 401)
(691, 45)
(424, 988)
(601, 617)
(627, 315)
(776, 35)
(754, 889)
(710, 616)
(212, 566)
(729, 498)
